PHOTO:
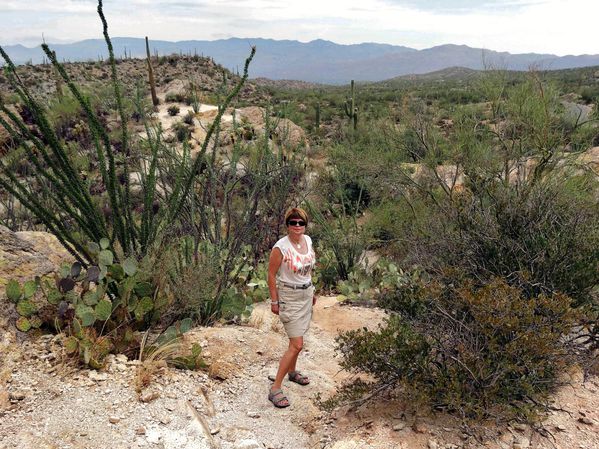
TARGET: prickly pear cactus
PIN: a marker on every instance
(83, 302)
(22, 296)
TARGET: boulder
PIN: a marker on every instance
(176, 88)
(26, 254)
(590, 158)
(289, 133)
(253, 114)
(285, 132)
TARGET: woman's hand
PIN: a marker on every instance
(313, 300)
(274, 308)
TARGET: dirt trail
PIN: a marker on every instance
(47, 405)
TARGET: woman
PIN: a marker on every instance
(291, 296)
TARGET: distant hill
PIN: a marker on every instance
(318, 61)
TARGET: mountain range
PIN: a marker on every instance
(318, 61)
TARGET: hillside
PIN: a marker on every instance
(207, 76)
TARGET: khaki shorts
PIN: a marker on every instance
(295, 309)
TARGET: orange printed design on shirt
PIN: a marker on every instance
(300, 264)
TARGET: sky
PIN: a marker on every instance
(557, 27)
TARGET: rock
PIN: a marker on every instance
(165, 419)
(340, 412)
(221, 370)
(4, 399)
(215, 431)
(175, 87)
(149, 396)
(97, 376)
(114, 420)
(140, 431)
(419, 427)
(399, 426)
(153, 436)
(247, 444)
(585, 420)
(521, 443)
(26, 254)
(289, 133)
(16, 396)
(432, 444)
(560, 428)
(253, 414)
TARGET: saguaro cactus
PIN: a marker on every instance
(151, 75)
(317, 119)
(351, 109)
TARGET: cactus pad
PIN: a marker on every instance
(106, 257)
(85, 314)
(130, 266)
(26, 308)
(71, 345)
(93, 274)
(23, 324)
(29, 289)
(103, 310)
(13, 291)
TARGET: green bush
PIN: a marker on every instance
(479, 352)
(508, 246)
(173, 110)
(188, 118)
(182, 132)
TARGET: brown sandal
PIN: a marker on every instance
(298, 378)
(278, 399)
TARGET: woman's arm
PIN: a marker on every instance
(274, 262)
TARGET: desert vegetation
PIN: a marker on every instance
(476, 193)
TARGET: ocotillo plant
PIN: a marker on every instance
(68, 209)
(350, 107)
(151, 75)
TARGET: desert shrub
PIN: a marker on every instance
(188, 118)
(340, 238)
(182, 131)
(543, 239)
(173, 110)
(505, 231)
(589, 94)
(175, 97)
(482, 352)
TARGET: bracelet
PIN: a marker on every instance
(274, 303)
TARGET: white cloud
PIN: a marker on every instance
(517, 26)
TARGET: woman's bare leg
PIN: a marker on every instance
(288, 360)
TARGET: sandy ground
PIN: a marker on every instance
(50, 405)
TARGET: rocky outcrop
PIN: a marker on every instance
(285, 132)
(26, 254)
(590, 159)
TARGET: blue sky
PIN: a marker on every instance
(518, 26)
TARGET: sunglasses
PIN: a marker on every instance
(296, 223)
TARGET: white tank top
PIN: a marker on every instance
(295, 267)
